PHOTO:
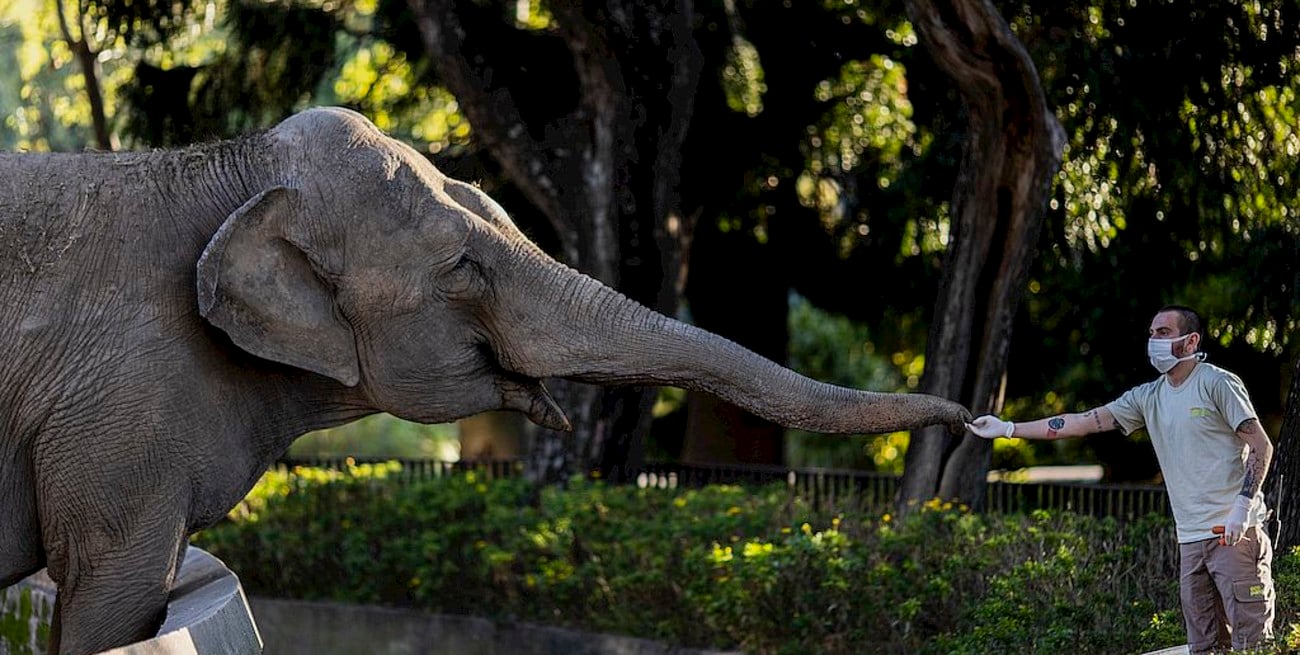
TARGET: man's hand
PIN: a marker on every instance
(991, 427)
(1236, 523)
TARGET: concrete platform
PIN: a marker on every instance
(207, 613)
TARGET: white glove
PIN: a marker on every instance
(1236, 523)
(989, 426)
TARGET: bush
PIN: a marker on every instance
(754, 569)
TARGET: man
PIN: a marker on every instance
(1214, 456)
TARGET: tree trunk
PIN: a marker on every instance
(1280, 487)
(605, 173)
(1011, 155)
(88, 60)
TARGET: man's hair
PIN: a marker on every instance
(1189, 320)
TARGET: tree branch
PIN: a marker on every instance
(494, 115)
(87, 58)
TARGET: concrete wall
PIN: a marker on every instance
(319, 628)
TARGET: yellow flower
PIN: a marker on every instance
(721, 553)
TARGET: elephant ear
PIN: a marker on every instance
(261, 288)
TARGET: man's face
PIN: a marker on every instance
(1168, 325)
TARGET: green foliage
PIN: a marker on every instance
(1286, 584)
(19, 611)
(755, 569)
(381, 435)
(42, 100)
(380, 82)
(841, 351)
(1177, 186)
(837, 350)
(742, 78)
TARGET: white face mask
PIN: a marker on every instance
(1161, 353)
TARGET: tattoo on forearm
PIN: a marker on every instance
(1254, 474)
(1054, 425)
(1096, 419)
(1255, 464)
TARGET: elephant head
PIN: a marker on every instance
(360, 261)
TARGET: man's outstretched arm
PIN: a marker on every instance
(1061, 426)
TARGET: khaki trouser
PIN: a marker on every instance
(1227, 592)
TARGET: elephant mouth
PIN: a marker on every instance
(531, 397)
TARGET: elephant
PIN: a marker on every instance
(175, 319)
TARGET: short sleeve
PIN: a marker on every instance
(1230, 394)
(1127, 410)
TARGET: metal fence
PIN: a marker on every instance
(822, 487)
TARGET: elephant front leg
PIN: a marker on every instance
(20, 538)
(113, 580)
(113, 594)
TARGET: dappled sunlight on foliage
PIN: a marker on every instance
(755, 569)
(1092, 214)
(742, 78)
(50, 112)
(870, 110)
(208, 43)
(1187, 185)
(380, 82)
(868, 116)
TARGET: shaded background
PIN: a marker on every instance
(783, 174)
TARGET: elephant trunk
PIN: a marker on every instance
(602, 337)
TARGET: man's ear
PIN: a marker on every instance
(263, 291)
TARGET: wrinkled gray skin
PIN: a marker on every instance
(174, 320)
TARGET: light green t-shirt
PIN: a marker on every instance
(1193, 428)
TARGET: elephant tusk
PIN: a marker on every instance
(536, 403)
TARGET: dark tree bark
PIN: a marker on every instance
(1284, 473)
(603, 171)
(1011, 154)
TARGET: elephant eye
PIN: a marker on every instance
(462, 279)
